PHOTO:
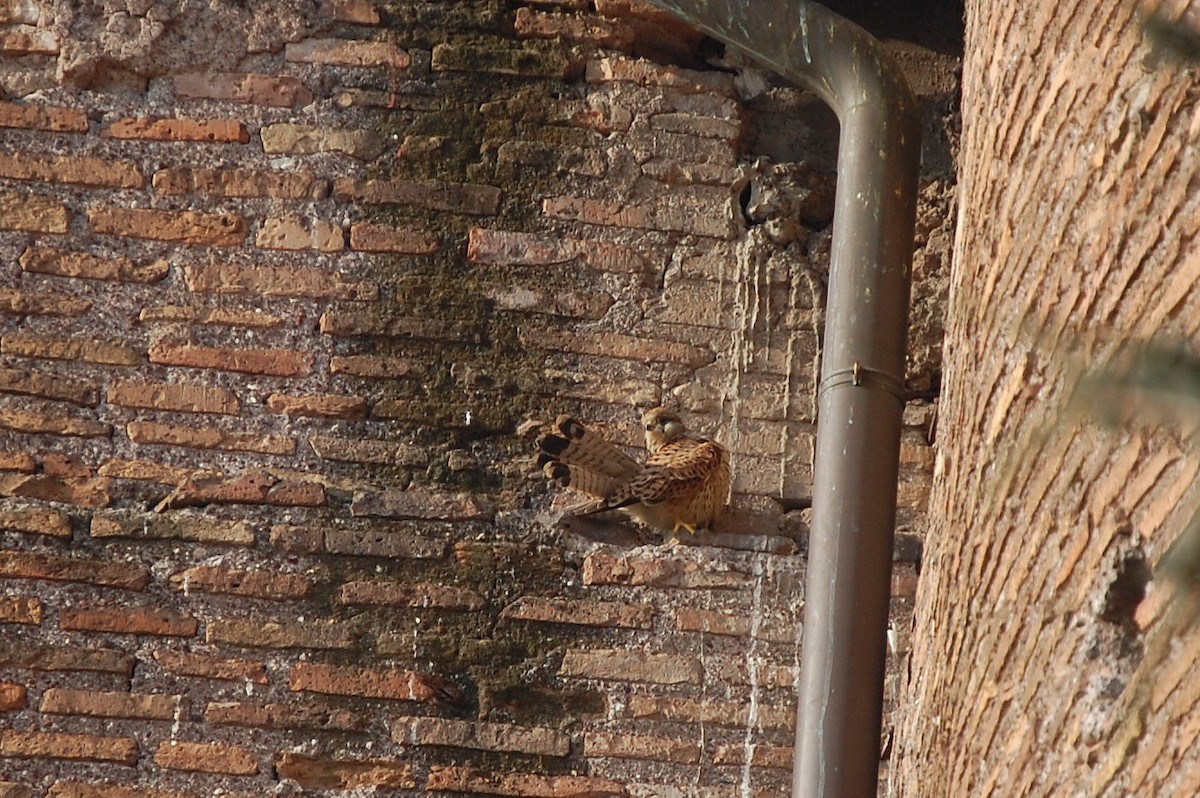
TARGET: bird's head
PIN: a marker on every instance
(662, 427)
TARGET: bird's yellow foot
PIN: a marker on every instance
(689, 528)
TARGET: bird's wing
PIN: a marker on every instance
(677, 471)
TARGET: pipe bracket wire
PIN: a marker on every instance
(860, 376)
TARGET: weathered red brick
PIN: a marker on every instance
(56, 464)
(290, 138)
(712, 622)
(453, 778)
(28, 40)
(342, 52)
(27, 565)
(381, 541)
(531, 249)
(647, 73)
(761, 756)
(144, 470)
(32, 212)
(81, 747)
(206, 758)
(364, 450)
(297, 539)
(145, 706)
(64, 263)
(190, 398)
(38, 383)
(629, 746)
(688, 173)
(228, 317)
(276, 281)
(36, 520)
(292, 232)
(603, 568)
(913, 491)
(218, 130)
(129, 620)
(594, 30)
(17, 461)
(359, 12)
(766, 675)
(375, 366)
(239, 183)
(732, 624)
(21, 609)
(464, 198)
(148, 432)
(418, 502)
(60, 657)
(21, 13)
(82, 171)
(284, 716)
(12, 697)
(916, 452)
(257, 584)
(703, 211)
(318, 406)
(405, 594)
(102, 352)
(262, 633)
(52, 420)
(379, 238)
(904, 581)
(632, 666)
(24, 303)
(181, 227)
(481, 736)
(503, 57)
(204, 666)
(395, 684)
(272, 362)
(582, 612)
(52, 118)
(665, 149)
(314, 773)
(573, 304)
(734, 714)
(254, 487)
(697, 125)
(175, 526)
(45, 487)
(282, 91)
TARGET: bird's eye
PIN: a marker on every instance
(649, 426)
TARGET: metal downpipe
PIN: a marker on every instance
(862, 375)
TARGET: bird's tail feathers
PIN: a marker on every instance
(580, 478)
(576, 445)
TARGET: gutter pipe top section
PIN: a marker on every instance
(861, 397)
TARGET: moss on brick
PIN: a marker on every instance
(428, 23)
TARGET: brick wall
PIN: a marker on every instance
(1061, 654)
(283, 299)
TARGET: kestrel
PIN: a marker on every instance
(684, 483)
